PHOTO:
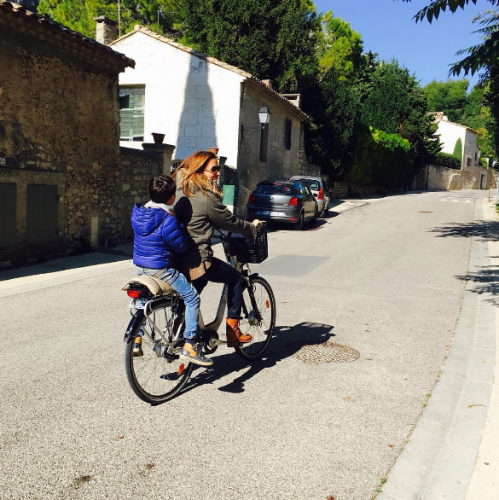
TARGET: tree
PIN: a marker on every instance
(449, 97)
(396, 104)
(491, 102)
(333, 106)
(458, 150)
(479, 56)
(340, 47)
(78, 15)
(273, 39)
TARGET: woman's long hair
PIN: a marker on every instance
(191, 177)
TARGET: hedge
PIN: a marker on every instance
(447, 160)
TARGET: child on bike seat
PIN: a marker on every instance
(158, 237)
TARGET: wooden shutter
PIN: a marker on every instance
(7, 214)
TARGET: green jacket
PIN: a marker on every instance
(201, 214)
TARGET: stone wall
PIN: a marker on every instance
(137, 168)
(281, 163)
(59, 119)
(342, 190)
(434, 177)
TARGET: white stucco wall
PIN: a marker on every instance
(449, 134)
(194, 103)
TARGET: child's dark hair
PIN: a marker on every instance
(161, 188)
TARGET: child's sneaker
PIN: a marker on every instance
(137, 347)
(193, 354)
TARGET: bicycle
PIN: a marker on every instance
(158, 375)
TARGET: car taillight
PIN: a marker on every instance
(293, 202)
(321, 194)
(137, 294)
(251, 199)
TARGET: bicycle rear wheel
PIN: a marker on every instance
(158, 375)
(258, 318)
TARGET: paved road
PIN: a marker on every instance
(386, 279)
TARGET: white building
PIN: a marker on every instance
(451, 133)
(199, 102)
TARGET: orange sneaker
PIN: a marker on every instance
(234, 335)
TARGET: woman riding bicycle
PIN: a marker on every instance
(199, 207)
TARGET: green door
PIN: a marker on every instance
(7, 214)
(41, 215)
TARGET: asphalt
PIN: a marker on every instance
(450, 454)
(453, 453)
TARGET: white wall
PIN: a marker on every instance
(194, 103)
(449, 134)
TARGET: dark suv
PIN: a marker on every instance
(283, 201)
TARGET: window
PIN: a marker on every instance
(275, 189)
(468, 161)
(132, 102)
(264, 143)
(288, 128)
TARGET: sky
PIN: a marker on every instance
(426, 50)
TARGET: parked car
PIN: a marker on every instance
(319, 189)
(283, 201)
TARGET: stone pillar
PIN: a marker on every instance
(164, 149)
(106, 30)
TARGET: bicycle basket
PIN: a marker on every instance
(247, 251)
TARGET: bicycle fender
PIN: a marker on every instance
(134, 322)
(254, 275)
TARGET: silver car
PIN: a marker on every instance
(319, 189)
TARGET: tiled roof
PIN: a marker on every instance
(439, 117)
(44, 29)
(217, 62)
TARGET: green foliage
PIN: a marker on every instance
(458, 150)
(274, 39)
(479, 56)
(330, 133)
(395, 103)
(447, 160)
(340, 47)
(78, 14)
(382, 159)
(491, 102)
(449, 97)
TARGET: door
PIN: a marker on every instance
(483, 181)
(8, 201)
(41, 213)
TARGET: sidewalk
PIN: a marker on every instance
(452, 453)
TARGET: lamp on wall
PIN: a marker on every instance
(264, 116)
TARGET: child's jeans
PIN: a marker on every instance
(188, 293)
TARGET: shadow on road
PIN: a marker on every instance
(285, 343)
(486, 280)
(485, 230)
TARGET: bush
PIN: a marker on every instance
(447, 160)
(382, 159)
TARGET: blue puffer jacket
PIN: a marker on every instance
(158, 237)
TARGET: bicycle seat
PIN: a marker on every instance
(155, 285)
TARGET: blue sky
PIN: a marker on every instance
(426, 50)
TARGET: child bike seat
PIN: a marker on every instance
(155, 285)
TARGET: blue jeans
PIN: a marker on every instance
(188, 293)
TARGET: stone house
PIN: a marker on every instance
(62, 181)
(199, 102)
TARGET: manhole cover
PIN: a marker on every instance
(328, 352)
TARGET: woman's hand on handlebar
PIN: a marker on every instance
(257, 223)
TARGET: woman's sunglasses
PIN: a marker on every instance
(214, 169)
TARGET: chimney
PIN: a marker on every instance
(269, 84)
(105, 30)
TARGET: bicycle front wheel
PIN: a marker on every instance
(157, 374)
(258, 318)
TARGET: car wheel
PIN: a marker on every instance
(316, 215)
(300, 222)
